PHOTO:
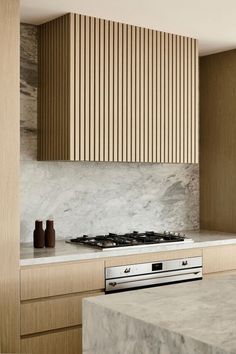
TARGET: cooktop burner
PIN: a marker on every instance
(134, 238)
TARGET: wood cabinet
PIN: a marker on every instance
(219, 259)
(52, 294)
(68, 341)
(53, 313)
(51, 305)
(218, 143)
(61, 278)
(115, 92)
(9, 176)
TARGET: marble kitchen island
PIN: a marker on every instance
(188, 318)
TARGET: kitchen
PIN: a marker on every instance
(111, 137)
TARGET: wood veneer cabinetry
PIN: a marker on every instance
(51, 320)
(115, 92)
(219, 259)
(53, 313)
(218, 143)
(61, 278)
(51, 305)
(67, 341)
(9, 176)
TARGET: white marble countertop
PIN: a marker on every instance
(64, 252)
(196, 317)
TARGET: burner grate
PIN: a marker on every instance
(134, 238)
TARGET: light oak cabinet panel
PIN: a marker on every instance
(52, 313)
(114, 92)
(63, 278)
(219, 259)
(61, 342)
(218, 142)
(9, 176)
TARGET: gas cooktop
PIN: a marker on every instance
(132, 239)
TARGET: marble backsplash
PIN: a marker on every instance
(90, 197)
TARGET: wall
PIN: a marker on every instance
(96, 197)
(218, 143)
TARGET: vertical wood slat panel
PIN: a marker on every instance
(124, 92)
(154, 96)
(133, 85)
(142, 109)
(120, 96)
(87, 105)
(111, 91)
(92, 96)
(135, 92)
(115, 96)
(56, 90)
(150, 94)
(128, 106)
(174, 107)
(158, 98)
(162, 103)
(106, 90)
(170, 97)
(101, 90)
(82, 88)
(96, 90)
(196, 102)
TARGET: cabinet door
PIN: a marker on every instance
(52, 313)
(62, 278)
(62, 342)
(219, 259)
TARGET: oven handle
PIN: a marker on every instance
(149, 279)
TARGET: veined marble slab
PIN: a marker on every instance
(188, 318)
(64, 252)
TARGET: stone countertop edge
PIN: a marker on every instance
(65, 252)
(130, 308)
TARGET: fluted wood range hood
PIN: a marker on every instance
(115, 92)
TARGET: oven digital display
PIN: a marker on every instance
(156, 266)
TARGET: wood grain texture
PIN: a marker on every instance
(218, 143)
(61, 278)
(133, 98)
(52, 313)
(67, 341)
(9, 176)
(152, 257)
(56, 90)
(219, 259)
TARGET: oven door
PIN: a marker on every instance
(152, 279)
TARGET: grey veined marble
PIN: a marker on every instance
(96, 197)
(187, 318)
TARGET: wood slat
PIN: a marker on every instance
(118, 93)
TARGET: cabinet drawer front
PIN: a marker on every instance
(62, 278)
(153, 257)
(61, 342)
(48, 314)
(219, 259)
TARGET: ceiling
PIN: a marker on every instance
(211, 21)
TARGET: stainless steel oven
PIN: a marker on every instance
(152, 274)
